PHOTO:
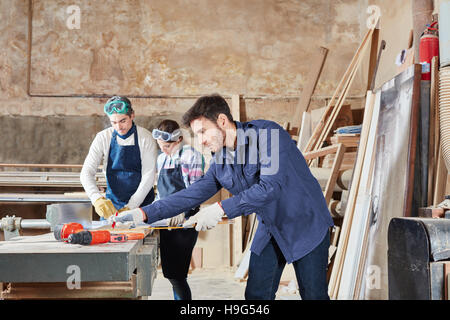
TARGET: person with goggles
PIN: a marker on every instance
(129, 156)
(178, 166)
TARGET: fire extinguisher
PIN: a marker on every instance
(428, 48)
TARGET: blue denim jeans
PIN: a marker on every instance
(266, 269)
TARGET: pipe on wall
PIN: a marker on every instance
(422, 11)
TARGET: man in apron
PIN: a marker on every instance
(178, 166)
(129, 159)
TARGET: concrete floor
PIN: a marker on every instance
(215, 284)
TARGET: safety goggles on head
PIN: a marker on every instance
(117, 106)
(166, 136)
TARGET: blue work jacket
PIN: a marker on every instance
(268, 175)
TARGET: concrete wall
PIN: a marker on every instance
(171, 54)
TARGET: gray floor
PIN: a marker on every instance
(214, 284)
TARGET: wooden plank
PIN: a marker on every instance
(236, 228)
(334, 173)
(392, 185)
(42, 165)
(58, 290)
(441, 179)
(361, 213)
(331, 120)
(373, 58)
(46, 243)
(242, 271)
(412, 144)
(434, 129)
(348, 142)
(344, 80)
(305, 131)
(345, 231)
(321, 152)
(308, 90)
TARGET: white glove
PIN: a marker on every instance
(135, 216)
(175, 221)
(206, 218)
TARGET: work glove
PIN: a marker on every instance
(175, 221)
(206, 218)
(104, 207)
(124, 209)
(134, 216)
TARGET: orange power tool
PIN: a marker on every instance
(86, 237)
(74, 233)
(63, 231)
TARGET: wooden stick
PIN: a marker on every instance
(334, 172)
(347, 74)
(337, 108)
(373, 58)
(312, 79)
(441, 179)
(36, 165)
(236, 242)
(321, 152)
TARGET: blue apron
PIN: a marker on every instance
(176, 245)
(124, 171)
(171, 181)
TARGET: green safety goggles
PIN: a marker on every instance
(116, 106)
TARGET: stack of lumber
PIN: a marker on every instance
(316, 147)
(328, 120)
(349, 140)
(348, 162)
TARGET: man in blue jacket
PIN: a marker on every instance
(261, 166)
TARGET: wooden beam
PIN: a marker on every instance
(236, 236)
(434, 128)
(43, 165)
(313, 77)
(58, 290)
(321, 152)
(334, 172)
(341, 86)
(373, 58)
(348, 217)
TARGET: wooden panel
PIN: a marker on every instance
(88, 290)
(394, 168)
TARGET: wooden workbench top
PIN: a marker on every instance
(46, 243)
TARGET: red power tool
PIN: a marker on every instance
(74, 233)
(86, 237)
(63, 231)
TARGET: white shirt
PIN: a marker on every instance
(99, 151)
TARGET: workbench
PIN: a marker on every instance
(40, 267)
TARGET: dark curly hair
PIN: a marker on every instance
(209, 107)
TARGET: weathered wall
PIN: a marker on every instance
(171, 53)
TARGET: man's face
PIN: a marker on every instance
(208, 133)
(122, 123)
